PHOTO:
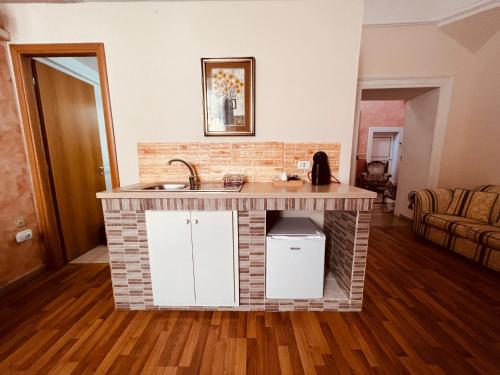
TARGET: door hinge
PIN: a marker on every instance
(34, 81)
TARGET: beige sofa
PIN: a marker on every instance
(462, 221)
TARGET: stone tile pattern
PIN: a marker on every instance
(240, 204)
(347, 248)
(131, 277)
(129, 259)
(252, 257)
(258, 161)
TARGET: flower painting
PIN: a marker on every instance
(228, 93)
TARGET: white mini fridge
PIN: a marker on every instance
(295, 259)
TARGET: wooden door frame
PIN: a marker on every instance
(22, 55)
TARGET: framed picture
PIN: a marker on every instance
(229, 96)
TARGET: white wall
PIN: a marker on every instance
(306, 64)
(470, 152)
(414, 168)
(477, 155)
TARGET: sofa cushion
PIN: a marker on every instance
(486, 235)
(495, 212)
(476, 205)
(490, 188)
(457, 225)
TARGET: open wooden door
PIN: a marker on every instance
(68, 114)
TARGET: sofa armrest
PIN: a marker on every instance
(428, 201)
(432, 200)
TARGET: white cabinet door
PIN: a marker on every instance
(213, 255)
(171, 257)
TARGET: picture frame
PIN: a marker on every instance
(228, 96)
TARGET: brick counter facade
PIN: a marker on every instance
(346, 225)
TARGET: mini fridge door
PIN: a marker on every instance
(295, 266)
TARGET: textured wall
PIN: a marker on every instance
(16, 197)
(258, 161)
(376, 113)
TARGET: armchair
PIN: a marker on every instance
(376, 177)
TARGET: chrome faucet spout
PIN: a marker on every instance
(192, 173)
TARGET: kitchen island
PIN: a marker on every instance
(128, 213)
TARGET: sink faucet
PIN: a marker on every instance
(192, 176)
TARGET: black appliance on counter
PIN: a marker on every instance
(320, 173)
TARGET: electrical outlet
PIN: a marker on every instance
(20, 222)
(24, 235)
(303, 164)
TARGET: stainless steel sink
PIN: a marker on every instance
(204, 187)
(166, 187)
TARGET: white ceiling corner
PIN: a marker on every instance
(405, 12)
(475, 30)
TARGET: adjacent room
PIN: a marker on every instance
(397, 134)
(250, 187)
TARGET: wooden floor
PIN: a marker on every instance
(426, 311)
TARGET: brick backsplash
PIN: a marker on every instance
(258, 161)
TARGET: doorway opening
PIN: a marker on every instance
(66, 115)
(384, 145)
(397, 132)
(380, 137)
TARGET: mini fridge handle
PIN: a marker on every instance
(297, 238)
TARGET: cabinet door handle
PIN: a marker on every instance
(195, 221)
(186, 221)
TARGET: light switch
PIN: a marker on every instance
(303, 164)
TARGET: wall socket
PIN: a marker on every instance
(304, 164)
(24, 235)
(20, 222)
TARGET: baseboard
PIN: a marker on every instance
(22, 280)
(405, 218)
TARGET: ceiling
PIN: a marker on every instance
(89, 62)
(474, 31)
(377, 12)
(384, 12)
(394, 94)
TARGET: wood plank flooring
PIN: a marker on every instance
(426, 311)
